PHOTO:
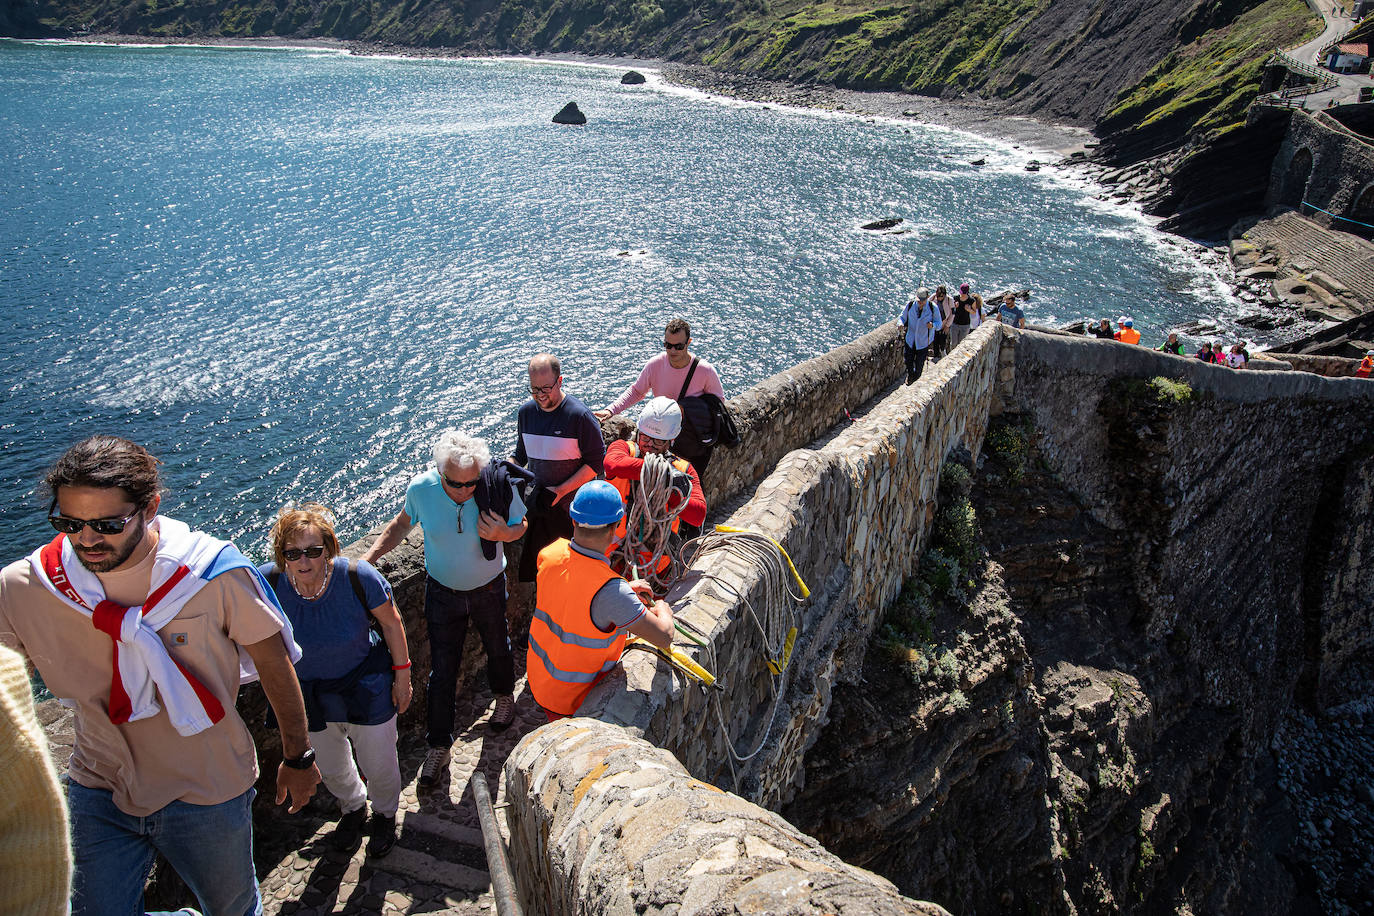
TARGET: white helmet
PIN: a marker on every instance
(661, 418)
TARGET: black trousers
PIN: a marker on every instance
(548, 523)
(915, 363)
(447, 612)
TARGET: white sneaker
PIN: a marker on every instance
(504, 713)
(436, 762)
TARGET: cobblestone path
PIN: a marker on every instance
(438, 865)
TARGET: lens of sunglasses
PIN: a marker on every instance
(294, 554)
(674, 346)
(458, 484)
(98, 525)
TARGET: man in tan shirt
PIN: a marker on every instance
(162, 761)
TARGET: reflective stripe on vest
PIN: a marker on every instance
(567, 653)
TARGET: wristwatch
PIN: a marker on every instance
(303, 762)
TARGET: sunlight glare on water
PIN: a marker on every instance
(286, 271)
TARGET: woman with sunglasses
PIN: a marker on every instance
(354, 681)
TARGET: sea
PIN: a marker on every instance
(285, 271)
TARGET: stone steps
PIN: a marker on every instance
(1346, 259)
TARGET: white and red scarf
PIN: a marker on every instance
(185, 562)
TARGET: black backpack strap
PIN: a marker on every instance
(688, 380)
(357, 582)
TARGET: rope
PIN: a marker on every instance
(649, 524)
(1336, 215)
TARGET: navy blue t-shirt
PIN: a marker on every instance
(333, 631)
(555, 443)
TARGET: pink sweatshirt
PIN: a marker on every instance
(659, 378)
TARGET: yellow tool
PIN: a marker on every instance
(777, 665)
(677, 658)
(730, 529)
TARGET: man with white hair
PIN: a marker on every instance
(921, 319)
(463, 580)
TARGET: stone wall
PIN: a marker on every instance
(604, 822)
(1338, 163)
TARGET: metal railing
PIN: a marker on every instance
(498, 865)
(1295, 96)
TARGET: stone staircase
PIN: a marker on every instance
(1338, 258)
(438, 865)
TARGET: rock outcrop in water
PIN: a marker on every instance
(570, 114)
(633, 78)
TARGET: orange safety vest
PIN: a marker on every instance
(1128, 335)
(1366, 368)
(568, 653)
(622, 486)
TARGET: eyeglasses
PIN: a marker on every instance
(674, 346)
(545, 389)
(295, 553)
(461, 484)
(68, 525)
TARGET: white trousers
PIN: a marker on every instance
(375, 746)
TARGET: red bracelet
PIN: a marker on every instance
(400, 667)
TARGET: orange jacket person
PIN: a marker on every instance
(584, 609)
(659, 423)
(1366, 365)
(1127, 333)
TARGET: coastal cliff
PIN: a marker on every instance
(1152, 78)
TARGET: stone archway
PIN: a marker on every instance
(1295, 177)
(1361, 214)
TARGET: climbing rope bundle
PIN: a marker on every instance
(648, 527)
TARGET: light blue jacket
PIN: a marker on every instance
(914, 316)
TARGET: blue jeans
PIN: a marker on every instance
(447, 612)
(210, 846)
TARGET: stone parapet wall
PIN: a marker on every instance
(852, 514)
(604, 822)
(1330, 366)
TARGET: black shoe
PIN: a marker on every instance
(436, 764)
(350, 829)
(381, 835)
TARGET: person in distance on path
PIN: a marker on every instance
(921, 319)
(1127, 332)
(1172, 345)
(464, 503)
(148, 628)
(585, 609)
(1102, 330)
(945, 303)
(1010, 313)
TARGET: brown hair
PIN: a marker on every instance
(107, 462)
(292, 519)
(678, 324)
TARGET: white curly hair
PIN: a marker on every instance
(457, 447)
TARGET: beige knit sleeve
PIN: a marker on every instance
(35, 855)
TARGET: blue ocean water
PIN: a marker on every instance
(286, 270)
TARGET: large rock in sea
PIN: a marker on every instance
(881, 224)
(570, 114)
(633, 78)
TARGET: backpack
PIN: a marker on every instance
(706, 422)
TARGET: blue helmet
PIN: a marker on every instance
(597, 503)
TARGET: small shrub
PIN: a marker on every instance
(957, 701)
(1171, 390)
(948, 665)
(1011, 446)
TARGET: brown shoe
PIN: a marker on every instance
(504, 714)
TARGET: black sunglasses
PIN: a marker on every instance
(295, 553)
(459, 484)
(99, 525)
(674, 346)
(68, 525)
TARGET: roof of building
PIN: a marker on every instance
(1361, 49)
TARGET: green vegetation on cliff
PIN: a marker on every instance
(1182, 67)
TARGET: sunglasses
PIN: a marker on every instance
(674, 346)
(461, 484)
(68, 525)
(295, 553)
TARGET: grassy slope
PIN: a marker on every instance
(1204, 87)
(944, 47)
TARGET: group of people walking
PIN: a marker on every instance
(935, 325)
(147, 628)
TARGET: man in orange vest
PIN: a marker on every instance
(659, 423)
(584, 609)
(1127, 333)
(1366, 365)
